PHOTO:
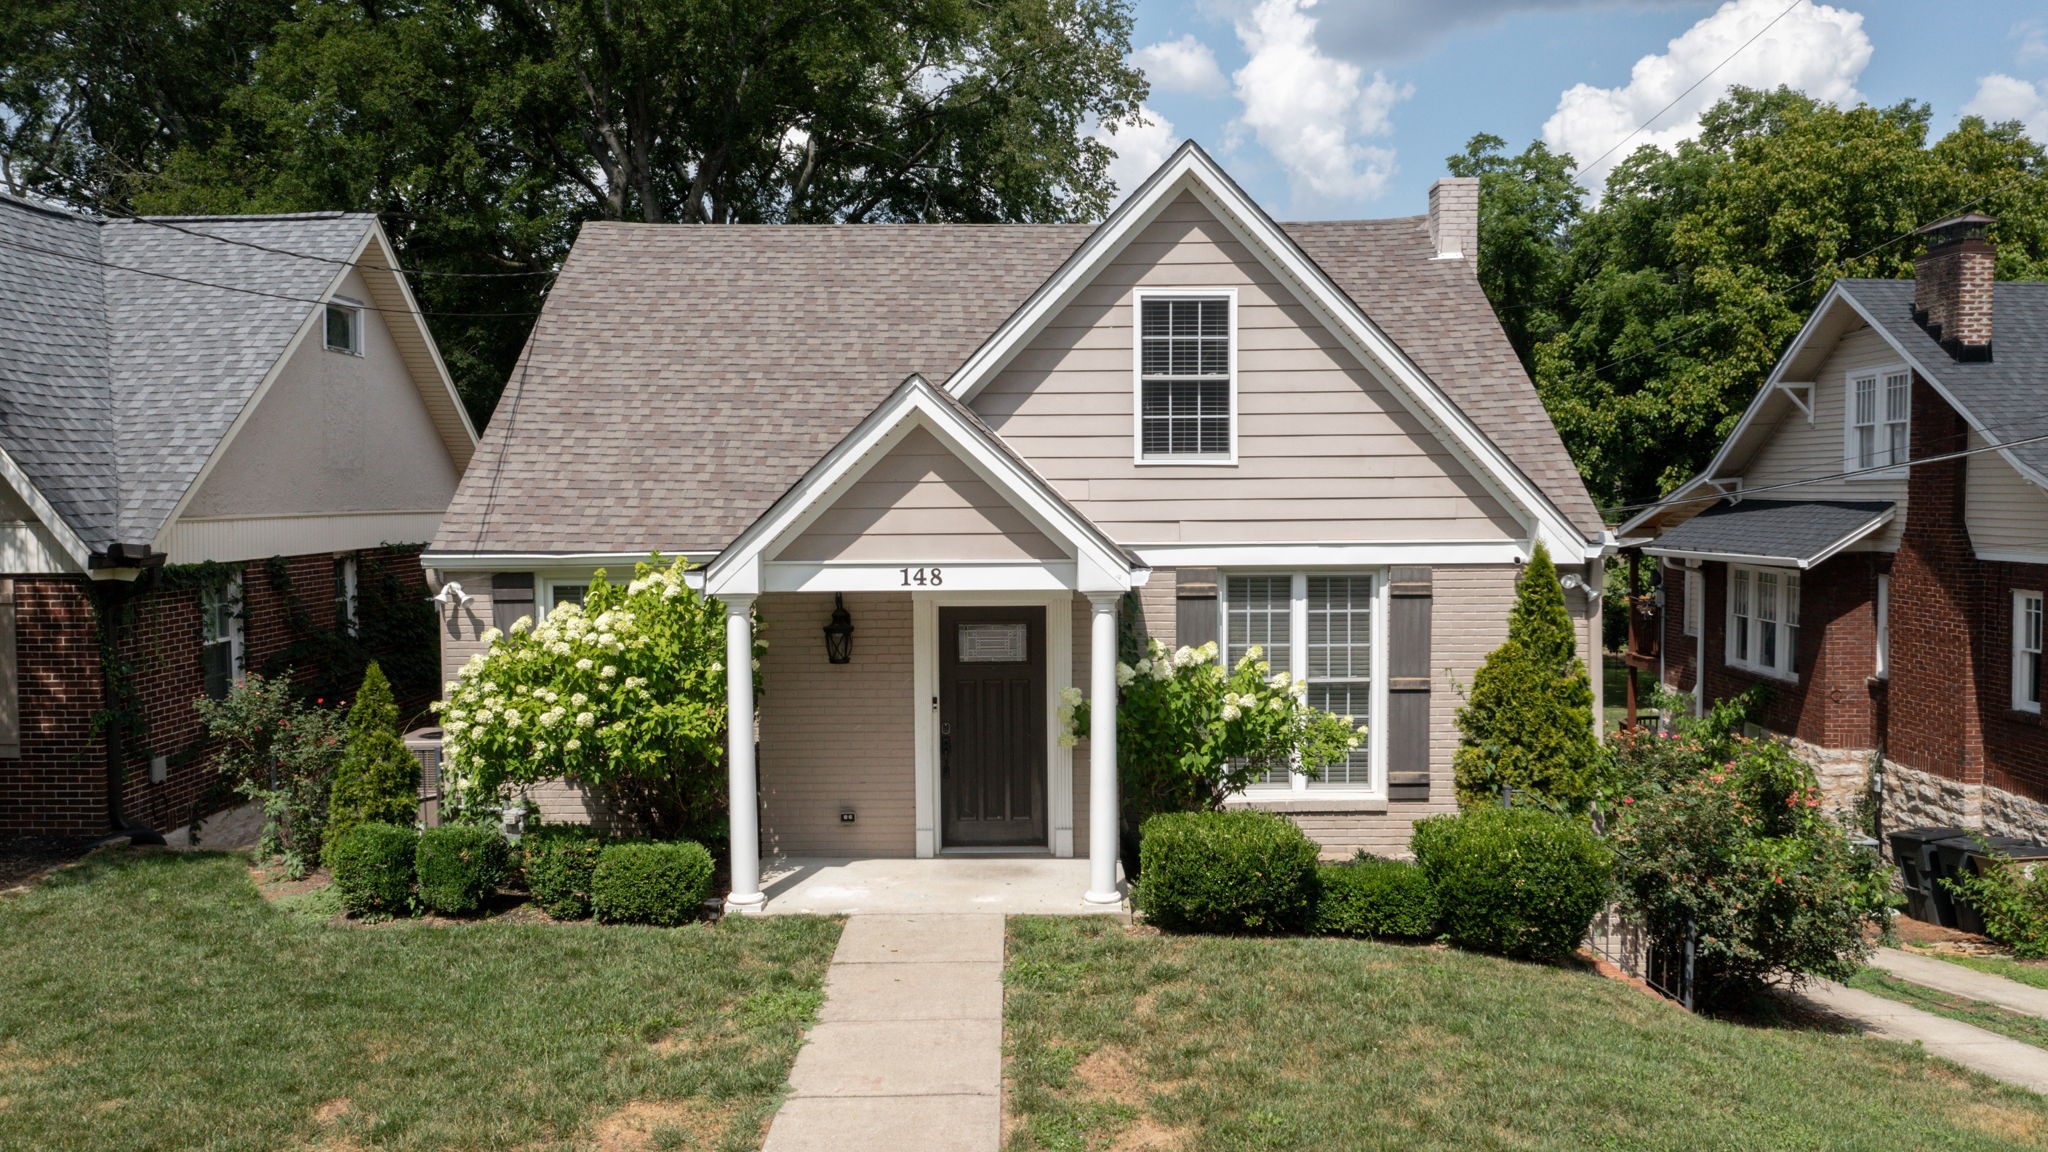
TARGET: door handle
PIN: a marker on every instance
(945, 748)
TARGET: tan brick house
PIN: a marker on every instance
(1871, 543)
(981, 442)
(218, 435)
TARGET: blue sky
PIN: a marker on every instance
(1332, 108)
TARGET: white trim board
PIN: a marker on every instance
(1296, 555)
(60, 532)
(1191, 169)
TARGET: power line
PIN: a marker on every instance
(247, 291)
(1747, 491)
(162, 223)
(1695, 84)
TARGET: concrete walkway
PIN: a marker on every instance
(1957, 980)
(908, 1048)
(1972, 1047)
(1014, 885)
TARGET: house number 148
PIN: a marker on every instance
(932, 576)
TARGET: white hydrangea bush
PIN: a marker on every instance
(625, 692)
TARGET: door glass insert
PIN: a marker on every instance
(1006, 643)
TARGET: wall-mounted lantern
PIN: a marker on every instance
(839, 633)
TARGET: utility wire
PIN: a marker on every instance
(72, 256)
(1695, 84)
(162, 223)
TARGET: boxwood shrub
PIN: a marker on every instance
(1514, 881)
(560, 861)
(1239, 871)
(373, 868)
(459, 866)
(661, 884)
(1374, 897)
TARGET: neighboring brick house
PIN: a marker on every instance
(1886, 579)
(221, 440)
(980, 440)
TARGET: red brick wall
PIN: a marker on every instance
(1831, 703)
(1681, 652)
(58, 786)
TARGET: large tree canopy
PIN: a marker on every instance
(1650, 318)
(485, 131)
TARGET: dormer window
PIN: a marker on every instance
(344, 327)
(1187, 379)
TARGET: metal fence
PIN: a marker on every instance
(1665, 965)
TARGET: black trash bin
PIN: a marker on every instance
(1980, 854)
(1918, 854)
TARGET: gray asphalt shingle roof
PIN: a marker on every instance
(2007, 395)
(681, 378)
(1797, 531)
(117, 382)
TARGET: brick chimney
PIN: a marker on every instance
(1952, 286)
(1454, 217)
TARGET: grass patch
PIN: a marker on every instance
(1117, 1039)
(1990, 1017)
(155, 1000)
(1614, 692)
(2031, 972)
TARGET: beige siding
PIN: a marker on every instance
(1324, 452)
(920, 502)
(335, 433)
(1797, 450)
(462, 628)
(837, 736)
(2005, 512)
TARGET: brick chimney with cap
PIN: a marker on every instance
(1454, 217)
(1952, 286)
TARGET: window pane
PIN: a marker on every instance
(1866, 447)
(1345, 699)
(1866, 401)
(1740, 597)
(1258, 610)
(1898, 453)
(1898, 406)
(341, 328)
(568, 594)
(1155, 321)
(1339, 627)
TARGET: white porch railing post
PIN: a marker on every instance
(743, 803)
(1102, 809)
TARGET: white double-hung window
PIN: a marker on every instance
(220, 635)
(1320, 628)
(1187, 361)
(1763, 620)
(1880, 419)
(2027, 634)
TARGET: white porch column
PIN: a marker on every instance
(743, 802)
(1102, 812)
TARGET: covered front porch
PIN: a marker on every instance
(950, 885)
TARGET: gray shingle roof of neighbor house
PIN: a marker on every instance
(681, 378)
(1801, 532)
(127, 349)
(2008, 395)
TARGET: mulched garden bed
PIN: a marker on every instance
(23, 858)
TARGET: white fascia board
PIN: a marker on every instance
(520, 561)
(1934, 382)
(412, 312)
(959, 576)
(46, 513)
(1302, 556)
(1191, 169)
(738, 570)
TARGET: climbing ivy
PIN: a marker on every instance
(394, 626)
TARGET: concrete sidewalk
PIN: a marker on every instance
(1972, 1047)
(1957, 980)
(908, 1048)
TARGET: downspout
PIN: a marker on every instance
(119, 575)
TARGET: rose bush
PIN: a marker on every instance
(625, 693)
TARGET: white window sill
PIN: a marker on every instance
(1314, 800)
(1887, 474)
(1766, 673)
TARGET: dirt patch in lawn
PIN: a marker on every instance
(634, 1127)
(2007, 1123)
(1935, 938)
(271, 881)
(27, 859)
(1112, 1074)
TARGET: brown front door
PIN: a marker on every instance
(992, 726)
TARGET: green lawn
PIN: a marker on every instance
(1990, 1017)
(2034, 972)
(1118, 1038)
(152, 1000)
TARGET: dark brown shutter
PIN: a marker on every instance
(1194, 607)
(511, 598)
(1410, 592)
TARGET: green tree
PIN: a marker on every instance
(1528, 722)
(1528, 205)
(378, 780)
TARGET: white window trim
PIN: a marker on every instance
(544, 595)
(2019, 653)
(1852, 461)
(1882, 606)
(1788, 652)
(1693, 606)
(1298, 786)
(230, 590)
(1138, 298)
(355, 325)
(350, 621)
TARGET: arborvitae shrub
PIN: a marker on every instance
(377, 778)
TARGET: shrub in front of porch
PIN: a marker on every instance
(1517, 882)
(1240, 871)
(625, 693)
(560, 860)
(458, 867)
(1369, 896)
(660, 884)
(373, 868)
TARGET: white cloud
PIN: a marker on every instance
(2033, 38)
(1313, 112)
(1381, 31)
(1140, 148)
(1183, 65)
(2001, 97)
(1815, 48)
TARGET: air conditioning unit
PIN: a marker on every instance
(425, 746)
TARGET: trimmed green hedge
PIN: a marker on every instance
(661, 884)
(561, 860)
(1374, 897)
(373, 868)
(459, 866)
(1514, 881)
(1240, 871)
